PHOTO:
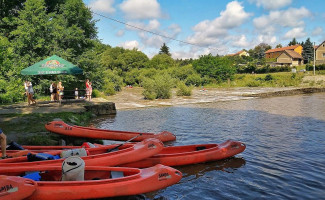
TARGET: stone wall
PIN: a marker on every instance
(105, 108)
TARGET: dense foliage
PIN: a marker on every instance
(32, 30)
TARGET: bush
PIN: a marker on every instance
(194, 79)
(96, 93)
(317, 67)
(183, 90)
(159, 87)
(268, 77)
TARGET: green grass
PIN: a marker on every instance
(30, 128)
(280, 79)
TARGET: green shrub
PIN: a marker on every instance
(96, 93)
(159, 87)
(194, 79)
(183, 90)
(268, 77)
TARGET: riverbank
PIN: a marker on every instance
(132, 98)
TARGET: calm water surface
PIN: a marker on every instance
(284, 158)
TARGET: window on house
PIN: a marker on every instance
(323, 55)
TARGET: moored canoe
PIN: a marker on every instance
(99, 155)
(86, 132)
(97, 183)
(16, 188)
(191, 154)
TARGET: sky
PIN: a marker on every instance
(198, 27)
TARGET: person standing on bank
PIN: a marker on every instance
(3, 142)
(26, 91)
(88, 86)
(30, 93)
(60, 89)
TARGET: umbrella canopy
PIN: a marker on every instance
(52, 65)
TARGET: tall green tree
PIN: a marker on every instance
(11, 89)
(162, 61)
(33, 34)
(164, 49)
(293, 42)
(8, 12)
(259, 51)
(308, 51)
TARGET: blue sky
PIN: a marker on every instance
(213, 26)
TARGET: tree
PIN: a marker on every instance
(259, 51)
(293, 42)
(8, 11)
(279, 46)
(219, 68)
(32, 38)
(162, 61)
(164, 49)
(308, 51)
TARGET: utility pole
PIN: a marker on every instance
(314, 57)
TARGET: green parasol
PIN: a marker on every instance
(52, 65)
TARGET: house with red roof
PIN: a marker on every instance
(290, 56)
(274, 53)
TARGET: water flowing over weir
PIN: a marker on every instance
(285, 138)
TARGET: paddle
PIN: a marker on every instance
(110, 150)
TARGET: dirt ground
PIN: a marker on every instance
(132, 98)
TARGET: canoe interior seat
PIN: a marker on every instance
(112, 150)
(200, 148)
(33, 175)
(117, 174)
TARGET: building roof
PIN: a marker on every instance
(238, 53)
(292, 54)
(283, 48)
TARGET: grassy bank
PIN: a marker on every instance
(280, 79)
(29, 129)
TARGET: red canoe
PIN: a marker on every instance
(98, 182)
(16, 188)
(40, 149)
(86, 132)
(99, 155)
(191, 154)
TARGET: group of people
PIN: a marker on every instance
(56, 91)
(29, 92)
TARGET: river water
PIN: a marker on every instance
(284, 157)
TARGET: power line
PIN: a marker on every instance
(154, 33)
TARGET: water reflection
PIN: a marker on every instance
(227, 165)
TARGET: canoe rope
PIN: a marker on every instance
(63, 172)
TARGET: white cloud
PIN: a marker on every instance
(130, 44)
(209, 32)
(240, 41)
(295, 33)
(105, 6)
(141, 9)
(268, 39)
(317, 31)
(271, 4)
(293, 17)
